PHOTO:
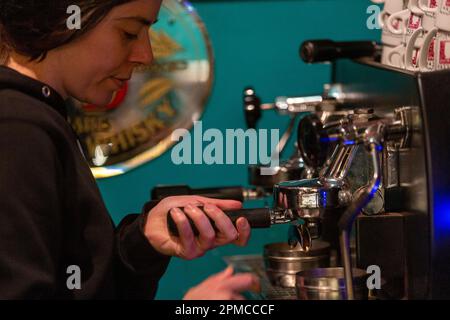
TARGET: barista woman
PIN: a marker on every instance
(52, 216)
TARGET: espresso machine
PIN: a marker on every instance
(397, 200)
(367, 185)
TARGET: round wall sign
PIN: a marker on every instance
(136, 126)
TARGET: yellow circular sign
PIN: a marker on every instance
(171, 93)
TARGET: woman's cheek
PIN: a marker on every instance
(103, 95)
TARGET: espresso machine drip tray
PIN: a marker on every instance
(255, 265)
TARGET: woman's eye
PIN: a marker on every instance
(130, 36)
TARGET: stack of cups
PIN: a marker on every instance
(416, 34)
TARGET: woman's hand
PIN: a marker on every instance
(224, 286)
(188, 246)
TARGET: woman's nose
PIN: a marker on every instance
(142, 52)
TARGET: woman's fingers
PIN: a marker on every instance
(237, 282)
(224, 286)
(207, 235)
(222, 222)
(182, 201)
(222, 204)
(188, 248)
(182, 209)
(244, 230)
(178, 202)
(227, 272)
(225, 231)
(243, 282)
(214, 226)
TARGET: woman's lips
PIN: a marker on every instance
(118, 82)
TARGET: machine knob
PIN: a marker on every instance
(252, 107)
(313, 141)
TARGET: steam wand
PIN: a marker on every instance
(373, 137)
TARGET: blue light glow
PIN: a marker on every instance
(328, 139)
(374, 189)
(324, 198)
(441, 213)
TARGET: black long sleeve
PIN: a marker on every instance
(30, 220)
(141, 266)
(52, 215)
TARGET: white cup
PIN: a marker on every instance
(386, 50)
(390, 7)
(407, 20)
(428, 10)
(414, 6)
(383, 18)
(414, 22)
(437, 57)
(395, 56)
(427, 57)
(405, 55)
(414, 45)
(428, 6)
(443, 15)
(428, 21)
(442, 50)
(387, 37)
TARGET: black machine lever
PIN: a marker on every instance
(312, 51)
(233, 193)
(257, 218)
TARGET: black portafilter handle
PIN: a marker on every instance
(312, 51)
(233, 193)
(257, 218)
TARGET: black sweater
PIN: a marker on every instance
(52, 215)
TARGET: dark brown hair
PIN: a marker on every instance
(34, 27)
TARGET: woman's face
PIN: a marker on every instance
(93, 67)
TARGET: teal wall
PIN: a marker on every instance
(255, 43)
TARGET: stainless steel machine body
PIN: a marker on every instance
(374, 148)
(392, 202)
(410, 240)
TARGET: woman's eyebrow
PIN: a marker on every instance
(141, 20)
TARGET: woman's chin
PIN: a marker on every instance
(101, 100)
